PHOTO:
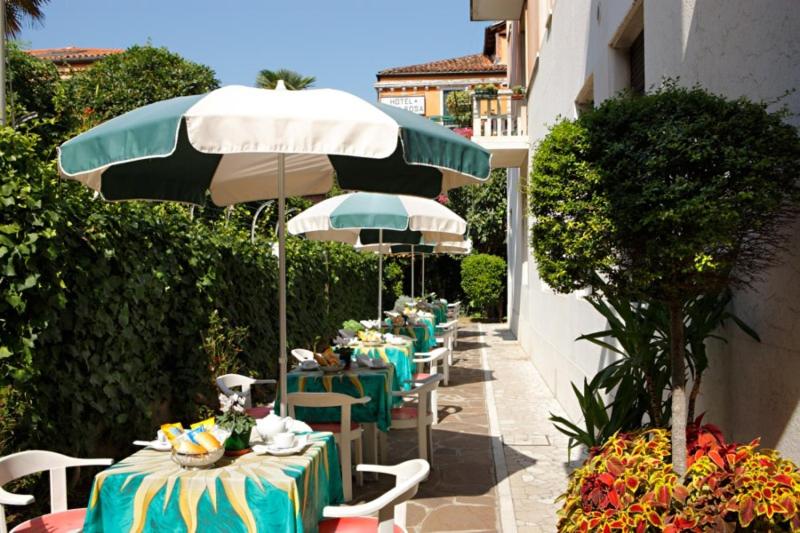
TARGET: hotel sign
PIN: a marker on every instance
(415, 104)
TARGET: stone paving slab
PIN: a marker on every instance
(535, 453)
(462, 492)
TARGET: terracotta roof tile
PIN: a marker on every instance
(471, 63)
(73, 53)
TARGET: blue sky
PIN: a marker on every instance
(341, 42)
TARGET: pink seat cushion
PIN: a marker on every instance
(352, 525)
(70, 520)
(258, 412)
(333, 427)
(404, 413)
(421, 376)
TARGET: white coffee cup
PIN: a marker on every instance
(283, 440)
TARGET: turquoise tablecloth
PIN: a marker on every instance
(357, 382)
(424, 334)
(148, 492)
(401, 356)
(439, 312)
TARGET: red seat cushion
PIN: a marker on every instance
(404, 413)
(258, 412)
(71, 520)
(333, 427)
(421, 376)
(356, 524)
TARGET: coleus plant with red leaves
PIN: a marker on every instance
(629, 485)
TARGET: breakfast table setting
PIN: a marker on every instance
(281, 482)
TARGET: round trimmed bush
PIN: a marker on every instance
(483, 279)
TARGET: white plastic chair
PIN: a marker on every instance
(448, 332)
(417, 416)
(22, 464)
(347, 333)
(345, 431)
(302, 354)
(432, 360)
(390, 506)
(454, 313)
(229, 382)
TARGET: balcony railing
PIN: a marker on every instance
(499, 115)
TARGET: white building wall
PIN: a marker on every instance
(735, 47)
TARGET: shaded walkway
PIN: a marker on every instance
(467, 491)
(535, 453)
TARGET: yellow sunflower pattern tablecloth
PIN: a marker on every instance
(148, 492)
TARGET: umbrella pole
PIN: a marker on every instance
(423, 274)
(380, 274)
(412, 270)
(282, 282)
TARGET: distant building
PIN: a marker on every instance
(423, 88)
(73, 59)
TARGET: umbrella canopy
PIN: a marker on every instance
(357, 218)
(371, 218)
(449, 247)
(227, 142)
(452, 247)
(240, 144)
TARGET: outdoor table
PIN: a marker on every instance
(439, 312)
(399, 355)
(423, 333)
(357, 382)
(149, 492)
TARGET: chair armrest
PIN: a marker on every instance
(264, 382)
(363, 399)
(7, 498)
(379, 469)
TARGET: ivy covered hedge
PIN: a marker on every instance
(103, 307)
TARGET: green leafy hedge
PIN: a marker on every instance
(483, 278)
(103, 307)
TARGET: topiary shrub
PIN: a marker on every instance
(483, 279)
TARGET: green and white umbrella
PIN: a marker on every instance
(452, 247)
(239, 144)
(370, 218)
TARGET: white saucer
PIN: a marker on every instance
(299, 444)
(161, 446)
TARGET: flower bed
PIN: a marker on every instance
(629, 485)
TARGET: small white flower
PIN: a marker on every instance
(238, 408)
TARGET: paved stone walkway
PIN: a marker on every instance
(481, 479)
(535, 453)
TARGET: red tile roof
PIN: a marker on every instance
(457, 65)
(73, 54)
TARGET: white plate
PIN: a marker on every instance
(299, 444)
(154, 444)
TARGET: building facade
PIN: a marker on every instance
(423, 88)
(71, 59)
(571, 54)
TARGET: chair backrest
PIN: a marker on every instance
(448, 330)
(228, 382)
(391, 505)
(302, 354)
(347, 333)
(326, 399)
(23, 464)
(422, 390)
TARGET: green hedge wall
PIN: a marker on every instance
(103, 307)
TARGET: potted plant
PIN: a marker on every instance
(517, 92)
(237, 421)
(485, 91)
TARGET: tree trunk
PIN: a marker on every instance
(655, 401)
(693, 397)
(677, 349)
